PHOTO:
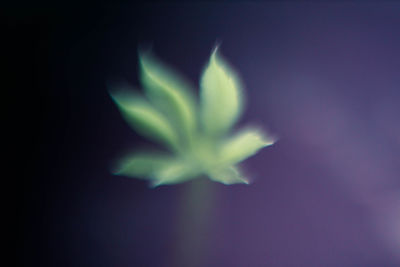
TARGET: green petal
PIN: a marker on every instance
(175, 172)
(144, 118)
(228, 175)
(221, 96)
(243, 145)
(141, 165)
(170, 93)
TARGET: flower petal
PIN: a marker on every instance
(177, 171)
(243, 145)
(170, 93)
(221, 96)
(144, 118)
(142, 165)
(228, 175)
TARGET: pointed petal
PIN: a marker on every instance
(175, 172)
(141, 165)
(243, 145)
(144, 118)
(170, 93)
(221, 96)
(228, 175)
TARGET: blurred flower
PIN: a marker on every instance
(197, 135)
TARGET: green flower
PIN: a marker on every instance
(198, 135)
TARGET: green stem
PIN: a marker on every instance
(193, 225)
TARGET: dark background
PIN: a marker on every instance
(323, 77)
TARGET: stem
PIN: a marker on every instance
(195, 210)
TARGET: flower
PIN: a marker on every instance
(197, 135)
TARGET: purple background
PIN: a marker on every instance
(323, 77)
